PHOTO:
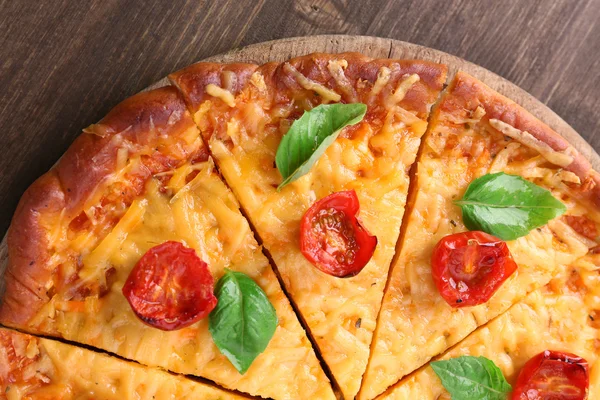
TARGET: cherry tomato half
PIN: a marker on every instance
(469, 267)
(332, 238)
(553, 375)
(170, 287)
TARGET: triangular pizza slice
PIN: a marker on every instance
(327, 209)
(121, 246)
(560, 318)
(38, 368)
(488, 165)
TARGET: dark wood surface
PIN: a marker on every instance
(64, 64)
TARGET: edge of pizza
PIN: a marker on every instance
(475, 133)
(89, 172)
(141, 183)
(32, 367)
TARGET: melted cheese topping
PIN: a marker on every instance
(415, 323)
(403, 87)
(308, 84)
(61, 371)
(221, 93)
(336, 69)
(559, 317)
(555, 157)
(383, 77)
(373, 160)
(203, 215)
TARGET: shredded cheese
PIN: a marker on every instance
(403, 87)
(383, 77)
(58, 370)
(225, 95)
(327, 94)
(477, 114)
(336, 69)
(122, 155)
(503, 157)
(203, 215)
(568, 176)
(555, 157)
(258, 81)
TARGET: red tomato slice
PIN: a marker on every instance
(469, 267)
(553, 375)
(332, 238)
(170, 287)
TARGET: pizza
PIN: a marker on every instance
(139, 179)
(243, 122)
(476, 133)
(38, 368)
(560, 316)
(318, 228)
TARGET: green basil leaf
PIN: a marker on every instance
(472, 378)
(243, 322)
(507, 206)
(310, 135)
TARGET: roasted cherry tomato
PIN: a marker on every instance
(469, 267)
(553, 375)
(332, 238)
(170, 287)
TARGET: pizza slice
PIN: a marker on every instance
(36, 368)
(318, 150)
(445, 282)
(560, 318)
(134, 245)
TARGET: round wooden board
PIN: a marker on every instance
(283, 49)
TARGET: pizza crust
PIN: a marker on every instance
(62, 193)
(471, 93)
(193, 80)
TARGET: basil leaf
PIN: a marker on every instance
(507, 206)
(310, 135)
(472, 378)
(243, 322)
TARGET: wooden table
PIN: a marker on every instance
(64, 64)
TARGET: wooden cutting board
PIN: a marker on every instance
(280, 50)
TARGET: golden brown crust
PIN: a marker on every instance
(467, 93)
(138, 120)
(29, 251)
(140, 123)
(193, 80)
